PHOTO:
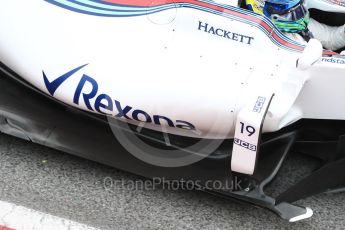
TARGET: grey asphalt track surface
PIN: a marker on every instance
(70, 187)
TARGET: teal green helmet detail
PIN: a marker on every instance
(289, 16)
(293, 26)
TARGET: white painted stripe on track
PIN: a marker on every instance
(21, 218)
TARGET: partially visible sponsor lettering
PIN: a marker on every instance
(259, 104)
(245, 144)
(340, 61)
(225, 33)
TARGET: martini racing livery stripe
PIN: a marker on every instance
(116, 9)
(121, 8)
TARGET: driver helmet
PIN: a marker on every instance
(289, 16)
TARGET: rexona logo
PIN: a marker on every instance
(105, 104)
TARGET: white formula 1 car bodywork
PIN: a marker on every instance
(195, 66)
(198, 69)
